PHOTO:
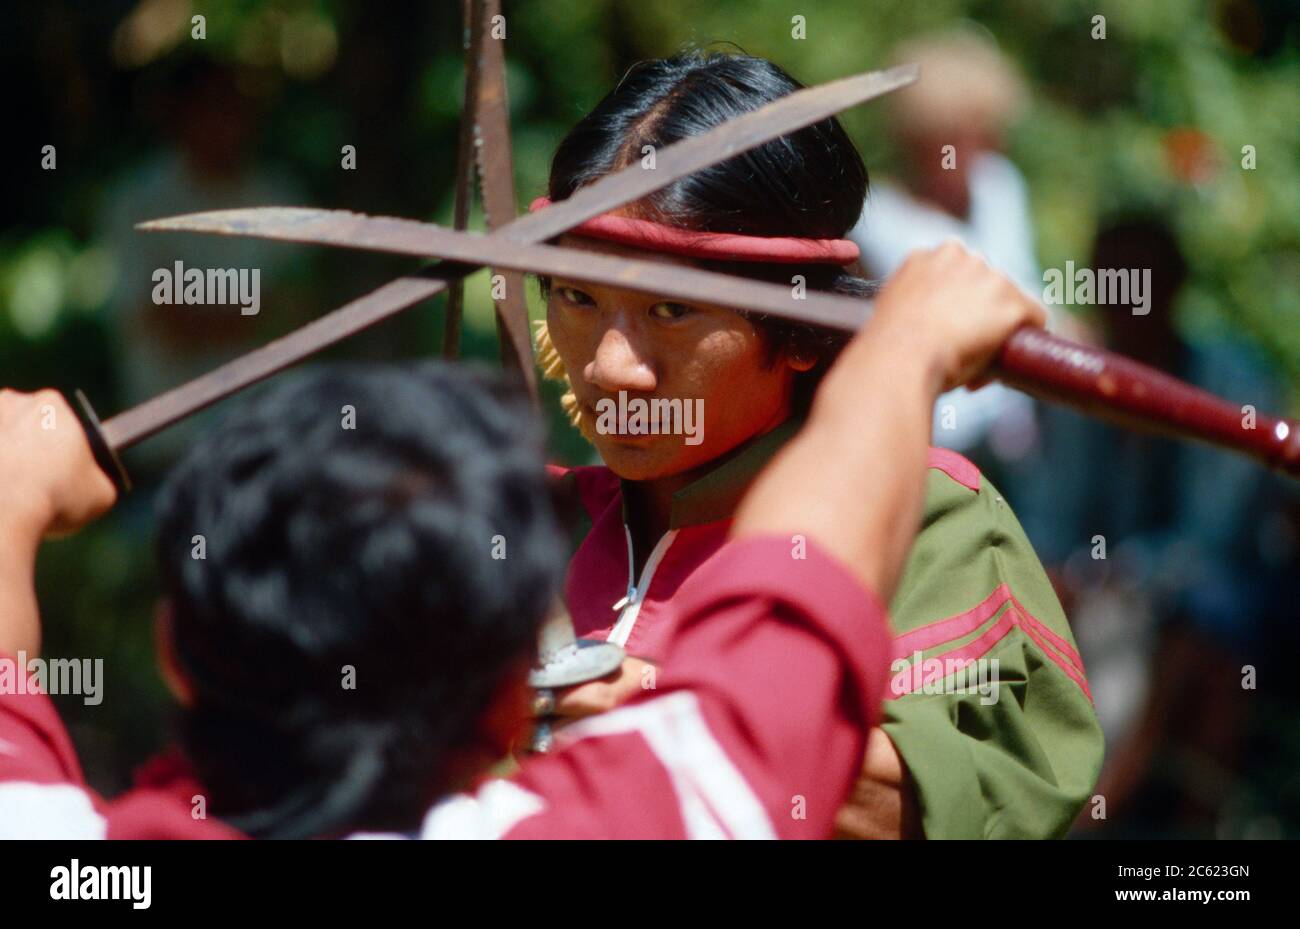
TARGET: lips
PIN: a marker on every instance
(621, 438)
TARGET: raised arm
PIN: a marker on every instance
(49, 485)
(853, 479)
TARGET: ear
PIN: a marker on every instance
(172, 674)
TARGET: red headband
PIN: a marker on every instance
(720, 246)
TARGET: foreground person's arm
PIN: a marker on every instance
(854, 477)
(49, 484)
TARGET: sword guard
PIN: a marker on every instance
(105, 457)
(585, 660)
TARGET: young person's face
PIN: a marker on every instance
(613, 340)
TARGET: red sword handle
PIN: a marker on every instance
(1114, 387)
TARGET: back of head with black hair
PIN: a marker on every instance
(367, 548)
(810, 184)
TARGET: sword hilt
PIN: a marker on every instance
(1117, 388)
(104, 454)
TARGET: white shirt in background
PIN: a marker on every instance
(894, 224)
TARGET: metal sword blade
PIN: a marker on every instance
(495, 158)
(790, 113)
(467, 250)
(453, 311)
(340, 228)
(1099, 382)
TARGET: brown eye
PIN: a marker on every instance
(575, 296)
(669, 311)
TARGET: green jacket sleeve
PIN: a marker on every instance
(1015, 759)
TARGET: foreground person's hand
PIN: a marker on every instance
(882, 804)
(938, 324)
(601, 695)
(47, 471)
(49, 484)
(948, 308)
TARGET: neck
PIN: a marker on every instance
(649, 503)
(650, 509)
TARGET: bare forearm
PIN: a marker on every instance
(20, 623)
(49, 483)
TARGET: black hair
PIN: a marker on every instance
(369, 548)
(811, 183)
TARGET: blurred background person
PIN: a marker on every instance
(955, 183)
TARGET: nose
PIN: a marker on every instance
(619, 364)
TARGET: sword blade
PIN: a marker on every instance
(140, 422)
(495, 159)
(342, 229)
(467, 250)
(453, 311)
(790, 113)
(1093, 380)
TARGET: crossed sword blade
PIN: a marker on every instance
(485, 143)
(788, 114)
(399, 236)
(1100, 382)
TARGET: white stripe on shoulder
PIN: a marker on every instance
(494, 810)
(48, 811)
(715, 799)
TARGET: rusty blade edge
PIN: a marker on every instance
(407, 237)
(1062, 384)
(153, 415)
(454, 310)
(788, 114)
(492, 153)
